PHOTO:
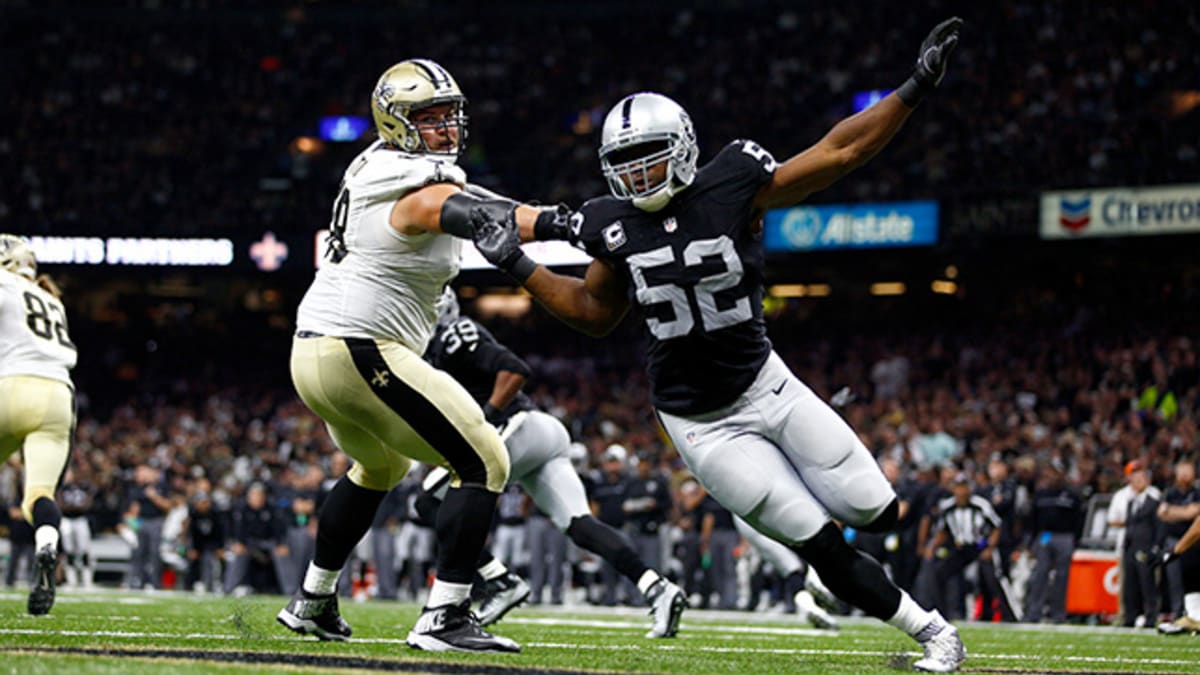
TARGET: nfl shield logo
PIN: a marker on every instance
(670, 224)
(691, 437)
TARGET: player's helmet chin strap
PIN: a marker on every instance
(658, 200)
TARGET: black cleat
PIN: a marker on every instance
(453, 628)
(311, 614)
(41, 596)
(500, 595)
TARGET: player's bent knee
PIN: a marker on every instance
(381, 478)
(886, 520)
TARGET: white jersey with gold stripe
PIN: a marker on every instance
(377, 282)
(33, 331)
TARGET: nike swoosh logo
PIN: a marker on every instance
(778, 389)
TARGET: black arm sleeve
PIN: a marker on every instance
(494, 357)
(456, 212)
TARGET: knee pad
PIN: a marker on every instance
(886, 520)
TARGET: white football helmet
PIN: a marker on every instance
(412, 85)
(17, 257)
(643, 130)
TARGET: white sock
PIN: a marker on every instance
(492, 570)
(446, 593)
(649, 578)
(46, 535)
(320, 582)
(1191, 606)
(911, 619)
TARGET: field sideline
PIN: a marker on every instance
(122, 632)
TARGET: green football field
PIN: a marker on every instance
(126, 632)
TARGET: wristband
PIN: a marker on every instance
(519, 266)
(546, 226)
(912, 91)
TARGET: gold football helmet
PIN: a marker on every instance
(17, 257)
(409, 86)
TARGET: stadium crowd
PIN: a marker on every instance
(186, 117)
(207, 475)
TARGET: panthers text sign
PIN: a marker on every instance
(840, 226)
(1120, 212)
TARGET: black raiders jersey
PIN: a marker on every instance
(471, 355)
(695, 269)
(75, 499)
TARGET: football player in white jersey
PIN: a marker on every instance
(684, 245)
(37, 399)
(400, 220)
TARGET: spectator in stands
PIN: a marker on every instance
(300, 504)
(607, 496)
(1057, 515)
(382, 537)
(76, 496)
(416, 540)
(20, 547)
(1183, 491)
(508, 539)
(259, 560)
(1143, 538)
(206, 544)
(1011, 502)
(148, 503)
(647, 507)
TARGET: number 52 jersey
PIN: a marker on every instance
(695, 270)
(33, 331)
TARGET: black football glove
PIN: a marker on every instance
(493, 415)
(499, 243)
(931, 62)
(554, 224)
(1163, 558)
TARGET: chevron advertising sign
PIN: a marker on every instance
(843, 226)
(1121, 212)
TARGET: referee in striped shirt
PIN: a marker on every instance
(967, 531)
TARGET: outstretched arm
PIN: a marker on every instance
(445, 207)
(858, 138)
(592, 305)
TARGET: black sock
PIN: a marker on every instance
(46, 512)
(592, 535)
(793, 584)
(462, 528)
(851, 574)
(345, 518)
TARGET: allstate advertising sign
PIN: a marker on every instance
(1120, 212)
(841, 226)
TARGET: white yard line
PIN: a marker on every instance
(648, 646)
(689, 626)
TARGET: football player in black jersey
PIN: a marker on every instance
(684, 245)
(538, 447)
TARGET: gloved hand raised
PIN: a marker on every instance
(931, 62)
